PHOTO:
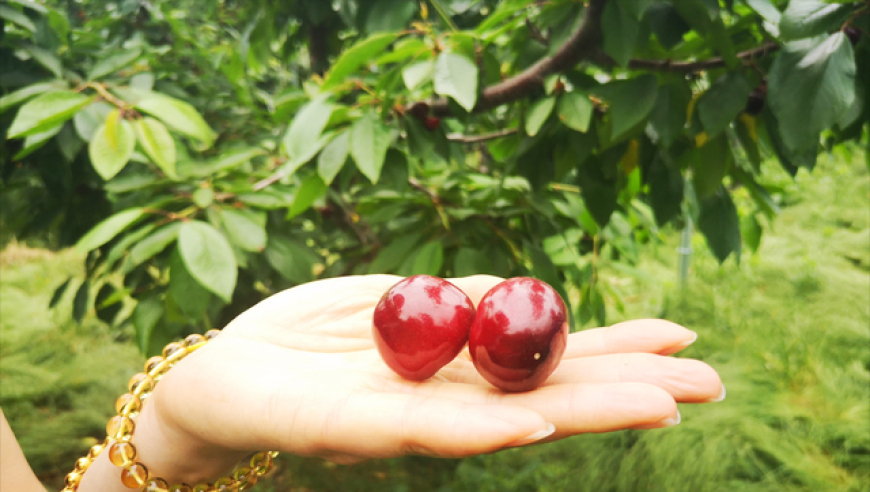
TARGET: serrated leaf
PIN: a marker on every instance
(177, 115)
(46, 111)
(81, 302)
(113, 63)
(369, 140)
(356, 56)
(106, 230)
(58, 293)
(153, 244)
(307, 126)
(333, 157)
(631, 101)
(245, 228)
(808, 18)
(620, 31)
(209, 258)
(810, 85)
(538, 113)
(428, 259)
(191, 297)
(575, 111)
(112, 146)
(456, 77)
(417, 74)
(21, 95)
(722, 102)
(719, 224)
(310, 190)
(157, 143)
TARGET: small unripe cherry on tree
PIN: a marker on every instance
(519, 334)
(420, 324)
(431, 123)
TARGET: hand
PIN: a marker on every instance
(299, 373)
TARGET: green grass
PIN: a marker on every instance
(788, 329)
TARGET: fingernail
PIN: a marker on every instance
(537, 436)
(668, 422)
(718, 398)
(689, 342)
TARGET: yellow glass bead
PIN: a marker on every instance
(95, 451)
(273, 454)
(173, 349)
(247, 477)
(156, 485)
(127, 404)
(180, 487)
(72, 479)
(152, 362)
(141, 383)
(195, 341)
(134, 476)
(210, 334)
(82, 465)
(157, 370)
(122, 453)
(68, 489)
(240, 472)
(225, 484)
(203, 487)
(120, 428)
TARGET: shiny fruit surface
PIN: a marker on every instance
(519, 334)
(421, 324)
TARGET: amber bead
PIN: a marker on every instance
(72, 479)
(120, 428)
(122, 453)
(82, 465)
(156, 485)
(127, 404)
(141, 383)
(173, 348)
(226, 484)
(180, 487)
(210, 334)
(194, 342)
(95, 451)
(68, 489)
(157, 369)
(203, 487)
(134, 476)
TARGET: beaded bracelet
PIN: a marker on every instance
(119, 433)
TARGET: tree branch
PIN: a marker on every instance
(582, 45)
(695, 66)
(458, 137)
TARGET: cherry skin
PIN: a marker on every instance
(519, 334)
(420, 324)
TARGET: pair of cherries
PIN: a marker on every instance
(516, 337)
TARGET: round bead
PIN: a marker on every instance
(180, 487)
(194, 342)
(95, 451)
(68, 489)
(122, 453)
(120, 428)
(261, 462)
(210, 334)
(273, 454)
(241, 472)
(152, 363)
(82, 465)
(156, 485)
(72, 479)
(141, 383)
(134, 476)
(127, 404)
(203, 487)
(225, 484)
(172, 349)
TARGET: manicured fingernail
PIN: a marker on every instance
(668, 422)
(537, 436)
(689, 342)
(720, 397)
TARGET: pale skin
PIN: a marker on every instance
(299, 373)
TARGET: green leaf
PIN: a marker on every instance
(538, 113)
(719, 224)
(394, 254)
(157, 143)
(597, 177)
(471, 261)
(390, 15)
(369, 140)
(145, 316)
(722, 102)
(292, 260)
(35, 141)
(106, 230)
(630, 102)
(17, 17)
(229, 160)
(203, 197)
(749, 139)
(245, 228)
(46, 58)
(665, 189)
(113, 63)
(620, 30)
(107, 303)
(21, 95)
(456, 77)
(751, 231)
(543, 268)
(333, 157)
(356, 56)
(667, 24)
(123, 245)
(810, 85)
(209, 258)
(428, 259)
(809, 18)
(668, 117)
(112, 146)
(153, 244)
(58, 293)
(310, 190)
(418, 73)
(177, 115)
(90, 118)
(81, 302)
(305, 130)
(575, 111)
(766, 9)
(190, 297)
(46, 111)
(710, 164)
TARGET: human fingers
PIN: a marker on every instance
(475, 286)
(655, 336)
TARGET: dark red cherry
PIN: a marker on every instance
(519, 334)
(421, 324)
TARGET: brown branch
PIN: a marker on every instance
(747, 57)
(582, 45)
(458, 137)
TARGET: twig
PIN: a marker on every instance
(747, 57)
(458, 137)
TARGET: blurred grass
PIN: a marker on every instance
(788, 329)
